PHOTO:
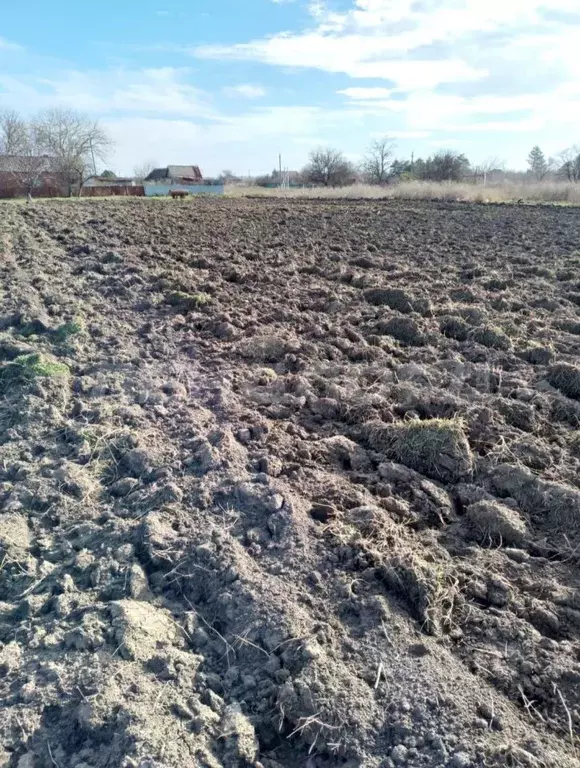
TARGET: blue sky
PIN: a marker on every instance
(231, 83)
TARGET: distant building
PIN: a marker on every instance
(176, 174)
(18, 173)
(180, 178)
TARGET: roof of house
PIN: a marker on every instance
(176, 172)
(184, 171)
(16, 163)
(157, 174)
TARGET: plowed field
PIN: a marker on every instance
(289, 484)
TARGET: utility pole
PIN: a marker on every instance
(93, 156)
(280, 167)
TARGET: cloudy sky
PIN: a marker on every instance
(231, 83)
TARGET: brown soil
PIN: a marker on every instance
(289, 484)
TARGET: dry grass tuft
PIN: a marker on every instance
(454, 327)
(186, 301)
(405, 330)
(550, 503)
(430, 590)
(265, 349)
(538, 354)
(543, 192)
(492, 337)
(494, 524)
(437, 448)
(566, 378)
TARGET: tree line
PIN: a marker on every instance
(329, 167)
(69, 144)
(57, 141)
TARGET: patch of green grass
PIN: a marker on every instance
(26, 368)
(68, 329)
(32, 328)
(186, 301)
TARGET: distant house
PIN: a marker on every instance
(180, 178)
(38, 174)
(176, 174)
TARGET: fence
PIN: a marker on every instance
(162, 190)
(48, 186)
(114, 190)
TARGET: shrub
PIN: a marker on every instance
(437, 448)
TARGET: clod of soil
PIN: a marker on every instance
(437, 448)
(454, 328)
(566, 378)
(491, 336)
(397, 299)
(406, 330)
(491, 523)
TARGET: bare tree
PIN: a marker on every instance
(569, 164)
(74, 141)
(143, 170)
(376, 164)
(18, 141)
(486, 167)
(29, 167)
(13, 133)
(329, 167)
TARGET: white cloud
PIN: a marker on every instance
(354, 55)
(451, 142)
(7, 45)
(396, 41)
(366, 93)
(163, 90)
(430, 111)
(246, 90)
(403, 134)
